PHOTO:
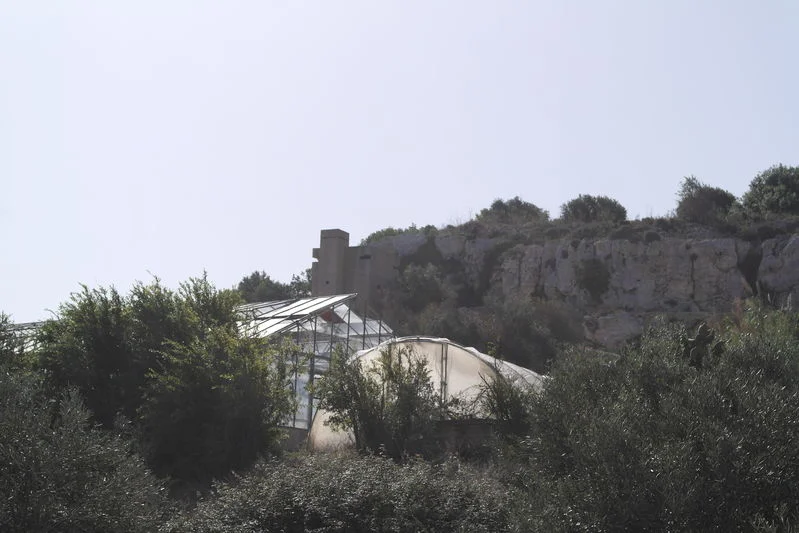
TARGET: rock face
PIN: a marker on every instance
(618, 282)
(778, 275)
(617, 285)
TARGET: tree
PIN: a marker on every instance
(214, 405)
(58, 473)
(775, 190)
(105, 343)
(389, 232)
(390, 405)
(88, 347)
(513, 211)
(586, 208)
(300, 284)
(684, 432)
(176, 365)
(13, 355)
(422, 285)
(259, 287)
(701, 203)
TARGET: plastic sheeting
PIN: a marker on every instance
(456, 371)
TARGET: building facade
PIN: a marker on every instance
(342, 269)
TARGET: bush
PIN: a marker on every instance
(593, 276)
(341, 493)
(390, 404)
(513, 211)
(259, 287)
(681, 433)
(701, 203)
(524, 336)
(59, 474)
(421, 286)
(89, 348)
(13, 353)
(508, 404)
(203, 398)
(775, 190)
(386, 233)
(214, 406)
(587, 208)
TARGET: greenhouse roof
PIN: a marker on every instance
(270, 318)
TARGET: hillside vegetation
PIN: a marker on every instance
(683, 431)
(150, 411)
(473, 295)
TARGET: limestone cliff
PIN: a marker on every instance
(615, 283)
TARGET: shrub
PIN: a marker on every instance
(701, 203)
(339, 493)
(259, 287)
(59, 474)
(523, 337)
(775, 190)
(13, 353)
(88, 348)
(513, 211)
(508, 404)
(215, 405)
(421, 286)
(587, 208)
(390, 404)
(386, 233)
(203, 398)
(681, 433)
(593, 276)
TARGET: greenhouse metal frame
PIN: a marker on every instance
(317, 325)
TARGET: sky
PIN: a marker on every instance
(174, 137)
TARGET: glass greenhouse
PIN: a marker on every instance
(317, 325)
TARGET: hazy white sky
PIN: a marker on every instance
(176, 136)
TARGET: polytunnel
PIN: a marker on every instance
(456, 371)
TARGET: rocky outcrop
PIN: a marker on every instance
(617, 285)
(778, 273)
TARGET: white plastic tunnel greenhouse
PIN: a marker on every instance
(456, 371)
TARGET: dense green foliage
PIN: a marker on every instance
(390, 404)
(12, 353)
(594, 277)
(214, 405)
(586, 208)
(386, 233)
(775, 190)
(203, 398)
(513, 211)
(680, 432)
(57, 473)
(527, 331)
(702, 203)
(341, 493)
(420, 286)
(676, 434)
(259, 287)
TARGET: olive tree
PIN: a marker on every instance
(587, 208)
(775, 190)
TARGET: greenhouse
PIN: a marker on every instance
(317, 325)
(456, 371)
